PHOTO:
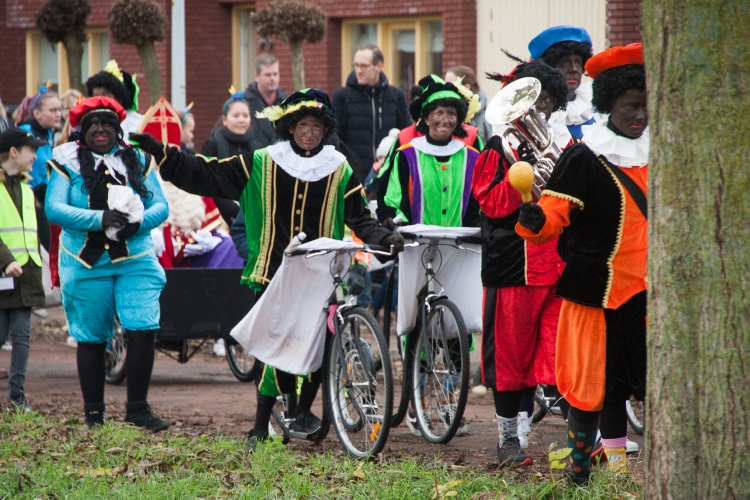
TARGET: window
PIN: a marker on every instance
(412, 46)
(45, 64)
(244, 42)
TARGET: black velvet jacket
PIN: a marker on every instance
(591, 240)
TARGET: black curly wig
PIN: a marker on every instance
(559, 51)
(458, 104)
(113, 85)
(323, 113)
(552, 80)
(614, 82)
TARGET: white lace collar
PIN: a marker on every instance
(303, 168)
(67, 154)
(453, 147)
(560, 130)
(619, 150)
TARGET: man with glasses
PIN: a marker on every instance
(567, 48)
(367, 108)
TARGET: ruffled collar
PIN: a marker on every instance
(67, 154)
(306, 169)
(580, 110)
(423, 146)
(560, 130)
(619, 150)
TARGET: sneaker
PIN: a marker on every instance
(632, 447)
(252, 442)
(72, 342)
(598, 455)
(94, 413)
(7, 346)
(306, 423)
(42, 313)
(19, 403)
(139, 414)
(446, 412)
(576, 479)
(219, 349)
(524, 428)
(411, 423)
(510, 453)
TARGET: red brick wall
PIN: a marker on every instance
(208, 55)
(20, 15)
(322, 61)
(624, 22)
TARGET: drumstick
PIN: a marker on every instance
(521, 177)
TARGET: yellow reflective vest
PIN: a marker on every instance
(20, 236)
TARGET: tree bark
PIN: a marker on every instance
(698, 401)
(298, 66)
(151, 67)
(74, 55)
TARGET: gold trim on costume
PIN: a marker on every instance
(563, 196)
(616, 248)
(53, 164)
(80, 261)
(358, 188)
(244, 167)
(332, 199)
(325, 203)
(304, 202)
(294, 203)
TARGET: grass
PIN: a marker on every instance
(45, 458)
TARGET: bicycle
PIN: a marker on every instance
(357, 376)
(436, 354)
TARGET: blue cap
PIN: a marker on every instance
(547, 38)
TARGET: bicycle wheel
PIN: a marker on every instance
(359, 397)
(541, 405)
(114, 361)
(440, 392)
(636, 415)
(240, 361)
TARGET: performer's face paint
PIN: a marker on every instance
(308, 132)
(545, 103)
(237, 119)
(100, 137)
(630, 113)
(571, 68)
(442, 122)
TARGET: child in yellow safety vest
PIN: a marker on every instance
(20, 263)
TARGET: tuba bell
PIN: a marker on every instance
(514, 106)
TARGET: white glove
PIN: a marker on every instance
(204, 242)
(157, 236)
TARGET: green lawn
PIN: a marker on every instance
(44, 458)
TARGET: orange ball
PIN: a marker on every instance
(521, 177)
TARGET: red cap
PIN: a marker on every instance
(99, 104)
(614, 57)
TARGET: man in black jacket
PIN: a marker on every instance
(367, 108)
(260, 94)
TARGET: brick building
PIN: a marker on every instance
(417, 37)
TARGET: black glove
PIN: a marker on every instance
(395, 240)
(147, 143)
(355, 280)
(128, 231)
(115, 219)
(525, 153)
(388, 224)
(532, 217)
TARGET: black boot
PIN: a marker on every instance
(139, 414)
(94, 414)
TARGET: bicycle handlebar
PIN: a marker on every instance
(373, 249)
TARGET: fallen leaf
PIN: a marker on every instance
(359, 474)
(114, 450)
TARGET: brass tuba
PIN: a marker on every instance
(514, 106)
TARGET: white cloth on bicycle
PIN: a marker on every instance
(459, 274)
(287, 327)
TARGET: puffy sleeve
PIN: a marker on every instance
(57, 203)
(205, 176)
(396, 186)
(156, 208)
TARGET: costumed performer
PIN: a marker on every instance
(567, 48)
(520, 307)
(430, 182)
(107, 264)
(595, 202)
(121, 86)
(296, 185)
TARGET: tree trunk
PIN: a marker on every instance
(298, 66)
(74, 54)
(151, 67)
(698, 401)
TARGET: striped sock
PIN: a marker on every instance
(507, 428)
